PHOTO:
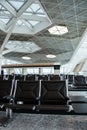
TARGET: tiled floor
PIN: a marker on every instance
(22, 121)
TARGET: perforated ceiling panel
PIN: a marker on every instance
(69, 13)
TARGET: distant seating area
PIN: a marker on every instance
(75, 81)
(77, 88)
(30, 77)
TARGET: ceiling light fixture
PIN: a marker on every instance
(50, 56)
(26, 58)
(58, 30)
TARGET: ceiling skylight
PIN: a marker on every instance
(26, 58)
(4, 20)
(19, 23)
(16, 4)
(4, 15)
(32, 10)
(58, 30)
(50, 56)
(25, 16)
(33, 23)
(35, 7)
(22, 46)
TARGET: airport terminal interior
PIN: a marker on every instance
(43, 64)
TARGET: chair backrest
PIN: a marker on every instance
(26, 91)
(79, 80)
(9, 77)
(19, 77)
(63, 77)
(70, 79)
(54, 77)
(53, 92)
(43, 77)
(6, 88)
(1, 77)
(30, 77)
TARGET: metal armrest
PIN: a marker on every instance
(9, 98)
(1, 106)
(37, 98)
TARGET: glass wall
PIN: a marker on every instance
(17, 70)
(47, 70)
(32, 70)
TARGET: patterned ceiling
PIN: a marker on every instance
(70, 13)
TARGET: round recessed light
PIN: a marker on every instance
(26, 58)
(50, 56)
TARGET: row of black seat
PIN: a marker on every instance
(34, 95)
(30, 77)
(77, 81)
(74, 81)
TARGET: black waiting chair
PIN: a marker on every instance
(20, 77)
(6, 90)
(70, 79)
(1, 77)
(42, 77)
(25, 96)
(54, 77)
(54, 96)
(31, 77)
(79, 82)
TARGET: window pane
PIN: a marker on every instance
(48, 70)
(32, 70)
(17, 70)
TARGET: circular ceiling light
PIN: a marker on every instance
(26, 58)
(50, 56)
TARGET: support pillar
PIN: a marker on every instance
(56, 69)
(11, 70)
(24, 71)
(0, 62)
(40, 71)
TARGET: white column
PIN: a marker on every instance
(0, 62)
(56, 69)
(56, 72)
(11, 70)
(24, 71)
(40, 71)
